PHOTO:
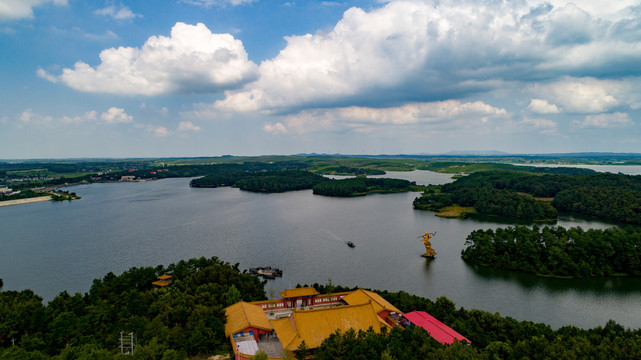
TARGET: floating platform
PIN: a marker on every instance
(266, 272)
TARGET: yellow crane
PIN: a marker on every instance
(429, 252)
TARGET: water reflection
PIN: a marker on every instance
(593, 286)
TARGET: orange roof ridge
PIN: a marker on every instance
(330, 308)
(362, 295)
(242, 305)
(296, 292)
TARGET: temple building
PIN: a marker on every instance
(163, 280)
(281, 325)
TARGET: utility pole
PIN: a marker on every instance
(126, 343)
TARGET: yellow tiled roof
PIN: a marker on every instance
(313, 326)
(285, 331)
(361, 296)
(162, 282)
(304, 291)
(242, 315)
(164, 277)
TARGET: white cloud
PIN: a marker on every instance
(43, 74)
(159, 131)
(607, 9)
(117, 12)
(365, 119)
(187, 126)
(28, 117)
(23, 9)
(277, 128)
(210, 3)
(585, 95)
(192, 60)
(542, 107)
(544, 126)
(108, 35)
(425, 49)
(605, 120)
(116, 116)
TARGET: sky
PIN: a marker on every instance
(184, 78)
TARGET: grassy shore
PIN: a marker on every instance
(455, 212)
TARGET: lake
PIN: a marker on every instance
(55, 246)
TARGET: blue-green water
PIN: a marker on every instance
(55, 246)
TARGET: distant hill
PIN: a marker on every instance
(477, 153)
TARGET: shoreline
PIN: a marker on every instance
(25, 201)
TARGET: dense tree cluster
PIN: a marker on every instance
(470, 168)
(185, 318)
(619, 204)
(557, 251)
(24, 194)
(490, 202)
(262, 181)
(360, 186)
(410, 343)
(280, 181)
(509, 193)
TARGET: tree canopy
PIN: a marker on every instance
(183, 319)
(557, 251)
(538, 197)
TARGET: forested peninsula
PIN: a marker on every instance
(524, 195)
(289, 180)
(262, 181)
(556, 251)
(361, 186)
(186, 320)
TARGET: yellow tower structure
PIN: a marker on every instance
(429, 252)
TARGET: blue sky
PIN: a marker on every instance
(163, 78)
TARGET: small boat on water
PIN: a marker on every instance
(350, 244)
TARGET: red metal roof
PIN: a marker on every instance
(439, 331)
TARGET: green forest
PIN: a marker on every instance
(490, 202)
(181, 320)
(262, 181)
(280, 181)
(361, 186)
(525, 195)
(25, 194)
(186, 320)
(557, 251)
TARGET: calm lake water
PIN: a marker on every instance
(55, 246)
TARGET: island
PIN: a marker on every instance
(361, 185)
(261, 181)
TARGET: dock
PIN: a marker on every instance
(266, 272)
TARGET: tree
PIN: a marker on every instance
(302, 351)
(260, 355)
